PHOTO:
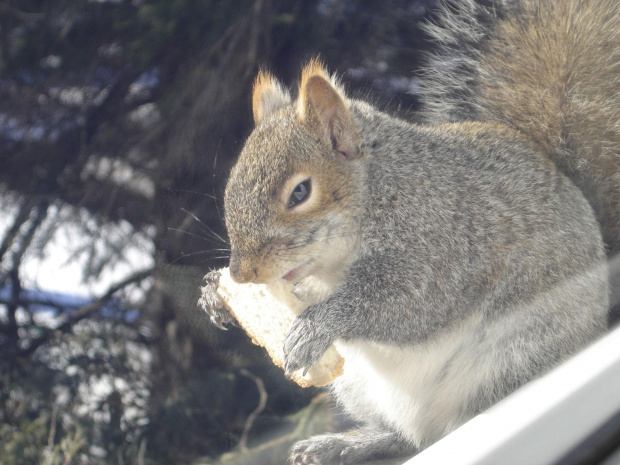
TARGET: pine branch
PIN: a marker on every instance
(84, 312)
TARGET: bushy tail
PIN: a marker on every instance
(550, 69)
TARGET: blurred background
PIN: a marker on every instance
(119, 121)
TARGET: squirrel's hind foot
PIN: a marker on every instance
(351, 448)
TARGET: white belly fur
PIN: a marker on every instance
(405, 387)
(424, 391)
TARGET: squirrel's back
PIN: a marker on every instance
(550, 69)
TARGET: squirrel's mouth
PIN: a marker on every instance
(299, 272)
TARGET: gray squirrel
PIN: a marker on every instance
(450, 262)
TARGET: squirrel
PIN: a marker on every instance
(450, 262)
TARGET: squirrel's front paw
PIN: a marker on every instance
(212, 303)
(304, 345)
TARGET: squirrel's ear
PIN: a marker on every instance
(268, 96)
(322, 105)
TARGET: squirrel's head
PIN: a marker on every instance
(293, 197)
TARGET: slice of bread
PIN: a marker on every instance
(266, 312)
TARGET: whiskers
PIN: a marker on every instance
(219, 247)
(206, 227)
(184, 256)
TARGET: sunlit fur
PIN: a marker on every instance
(450, 263)
(550, 69)
(268, 94)
(265, 234)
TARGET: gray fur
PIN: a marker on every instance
(460, 33)
(350, 448)
(456, 226)
(450, 264)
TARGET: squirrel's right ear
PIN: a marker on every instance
(268, 96)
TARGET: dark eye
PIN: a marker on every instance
(300, 193)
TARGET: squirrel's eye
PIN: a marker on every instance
(300, 193)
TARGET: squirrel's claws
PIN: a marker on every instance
(220, 317)
(218, 322)
(212, 303)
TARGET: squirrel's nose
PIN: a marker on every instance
(243, 276)
(241, 270)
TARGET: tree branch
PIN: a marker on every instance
(40, 211)
(84, 312)
(23, 213)
(262, 402)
